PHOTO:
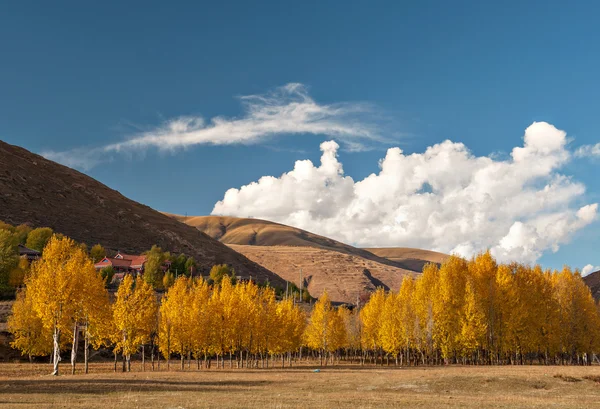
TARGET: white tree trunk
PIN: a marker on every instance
(74, 348)
(56, 352)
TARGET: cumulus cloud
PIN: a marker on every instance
(588, 151)
(444, 199)
(588, 269)
(284, 111)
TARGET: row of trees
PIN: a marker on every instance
(480, 312)
(65, 298)
(474, 311)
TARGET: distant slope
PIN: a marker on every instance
(43, 193)
(344, 276)
(593, 281)
(409, 258)
(344, 271)
(257, 232)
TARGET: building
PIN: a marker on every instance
(126, 264)
(29, 254)
(123, 264)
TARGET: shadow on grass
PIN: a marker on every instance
(104, 385)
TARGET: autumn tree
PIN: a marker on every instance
(29, 334)
(56, 288)
(134, 314)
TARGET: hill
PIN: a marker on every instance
(593, 281)
(344, 276)
(40, 192)
(409, 258)
(257, 232)
(345, 271)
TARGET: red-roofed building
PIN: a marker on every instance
(126, 264)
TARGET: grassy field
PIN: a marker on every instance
(28, 386)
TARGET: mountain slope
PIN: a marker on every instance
(409, 258)
(344, 276)
(40, 192)
(257, 232)
(593, 281)
(326, 264)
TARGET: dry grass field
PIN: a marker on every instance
(27, 386)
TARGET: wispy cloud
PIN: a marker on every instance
(588, 151)
(286, 110)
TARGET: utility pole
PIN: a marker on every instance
(301, 286)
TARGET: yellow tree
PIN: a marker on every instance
(318, 334)
(176, 324)
(56, 289)
(201, 318)
(473, 323)
(448, 305)
(370, 317)
(482, 272)
(30, 336)
(134, 314)
(266, 321)
(391, 331)
(426, 288)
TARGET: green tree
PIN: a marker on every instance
(190, 266)
(153, 272)
(220, 271)
(22, 231)
(37, 238)
(9, 256)
(107, 274)
(97, 253)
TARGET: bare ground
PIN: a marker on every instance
(27, 386)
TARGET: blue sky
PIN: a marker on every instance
(83, 76)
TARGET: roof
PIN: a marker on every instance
(135, 260)
(115, 262)
(27, 251)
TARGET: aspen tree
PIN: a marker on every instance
(370, 317)
(391, 331)
(29, 334)
(426, 288)
(448, 306)
(318, 333)
(55, 287)
(134, 314)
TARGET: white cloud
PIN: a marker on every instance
(588, 151)
(588, 269)
(444, 199)
(286, 110)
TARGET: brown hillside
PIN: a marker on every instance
(344, 271)
(593, 281)
(40, 192)
(344, 276)
(257, 232)
(409, 258)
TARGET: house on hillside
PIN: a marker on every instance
(126, 264)
(29, 254)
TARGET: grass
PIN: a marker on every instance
(28, 386)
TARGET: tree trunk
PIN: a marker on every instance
(143, 358)
(115, 352)
(56, 352)
(86, 350)
(74, 348)
(182, 362)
